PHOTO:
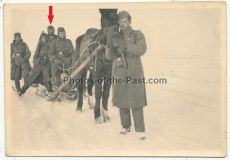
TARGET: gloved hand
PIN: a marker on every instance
(118, 41)
(15, 59)
(37, 60)
(43, 61)
(21, 59)
(57, 61)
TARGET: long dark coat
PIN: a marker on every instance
(41, 54)
(18, 70)
(130, 95)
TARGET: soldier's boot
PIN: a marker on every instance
(141, 135)
(48, 86)
(25, 86)
(35, 85)
(17, 84)
(125, 129)
(23, 89)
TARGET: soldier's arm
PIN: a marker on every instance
(38, 47)
(11, 50)
(36, 57)
(73, 52)
(72, 48)
(140, 47)
(28, 53)
(52, 51)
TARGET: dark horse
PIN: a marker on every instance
(100, 68)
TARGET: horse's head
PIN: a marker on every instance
(110, 31)
(108, 12)
(104, 36)
(109, 21)
(109, 17)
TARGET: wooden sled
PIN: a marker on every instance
(75, 73)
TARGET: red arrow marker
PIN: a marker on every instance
(50, 16)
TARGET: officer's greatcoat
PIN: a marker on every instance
(130, 95)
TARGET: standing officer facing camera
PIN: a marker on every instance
(130, 46)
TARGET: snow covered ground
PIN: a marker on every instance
(182, 116)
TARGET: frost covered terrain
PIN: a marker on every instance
(183, 114)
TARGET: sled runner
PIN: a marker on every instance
(42, 95)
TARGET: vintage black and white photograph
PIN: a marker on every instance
(115, 79)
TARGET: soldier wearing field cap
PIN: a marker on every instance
(61, 55)
(129, 96)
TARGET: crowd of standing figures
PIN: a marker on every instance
(117, 49)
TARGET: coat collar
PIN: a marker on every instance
(61, 39)
(51, 34)
(128, 31)
(15, 42)
(46, 43)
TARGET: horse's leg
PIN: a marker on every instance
(105, 97)
(80, 90)
(91, 99)
(98, 94)
(90, 85)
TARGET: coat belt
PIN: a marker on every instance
(17, 54)
(130, 55)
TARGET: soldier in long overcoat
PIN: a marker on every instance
(41, 72)
(61, 55)
(20, 65)
(130, 94)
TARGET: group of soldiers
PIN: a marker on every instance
(52, 53)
